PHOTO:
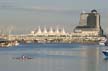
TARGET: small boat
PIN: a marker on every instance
(16, 43)
(23, 57)
(102, 43)
(7, 43)
(105, 52)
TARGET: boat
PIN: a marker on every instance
(103, 42)
(105, 52)
(23, 57)
(7, 43)
(15, 43)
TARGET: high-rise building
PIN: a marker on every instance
(89, 24)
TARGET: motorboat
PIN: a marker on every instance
(24, 57)
(7, 43)
(103, 42)
(16, 43)
(105, 52)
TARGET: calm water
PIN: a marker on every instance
(54, 57)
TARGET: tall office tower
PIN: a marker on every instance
(90, 22)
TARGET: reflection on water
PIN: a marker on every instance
(91, 61)
(53, 57)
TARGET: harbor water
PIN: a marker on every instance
(53, 57)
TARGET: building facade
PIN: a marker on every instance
(89, 24)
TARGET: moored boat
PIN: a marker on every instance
(8, 43)
(103, 42)
(105, 52)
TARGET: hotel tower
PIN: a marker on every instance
(89, 24)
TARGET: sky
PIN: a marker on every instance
(22, 16)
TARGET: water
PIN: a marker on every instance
(54, 57)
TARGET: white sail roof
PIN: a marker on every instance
(57, 30)
(51, 30)
(45, 30)
(63, 31)
(39, 30)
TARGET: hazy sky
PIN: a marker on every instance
(24, 15)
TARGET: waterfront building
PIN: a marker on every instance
(88, 31)
(50, 32)
(89, 24)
